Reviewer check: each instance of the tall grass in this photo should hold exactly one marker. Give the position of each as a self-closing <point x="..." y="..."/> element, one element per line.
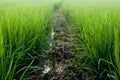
<point x="98" y="23"/>
<point x="24" y="37"/>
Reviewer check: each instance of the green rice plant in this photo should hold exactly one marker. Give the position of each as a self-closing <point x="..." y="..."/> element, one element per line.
<point x="97" y="22"/>
<point x="24" y="37"/>
<point x="117" y="53"/>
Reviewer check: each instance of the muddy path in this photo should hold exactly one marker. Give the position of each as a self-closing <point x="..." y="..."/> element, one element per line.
<point x="61" y="47"/>
<point x="64" y="43"/>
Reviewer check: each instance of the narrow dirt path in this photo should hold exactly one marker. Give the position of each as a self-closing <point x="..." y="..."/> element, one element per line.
<point x="61" y="37"/>
<point x="64" y="44"/>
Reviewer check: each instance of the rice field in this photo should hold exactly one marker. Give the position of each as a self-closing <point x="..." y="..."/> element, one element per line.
<point x="24" y="32"/>
<point x="59" y="40"/>
<point x="98" y="24"/>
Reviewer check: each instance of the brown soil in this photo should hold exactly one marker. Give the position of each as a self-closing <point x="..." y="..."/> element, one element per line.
<point x="64" y="43"/>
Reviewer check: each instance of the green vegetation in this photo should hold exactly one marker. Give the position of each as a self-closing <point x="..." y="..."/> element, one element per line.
<point x="98" y="24"/>
<point x="24" y="34"/>
<point x="26" y="31"/>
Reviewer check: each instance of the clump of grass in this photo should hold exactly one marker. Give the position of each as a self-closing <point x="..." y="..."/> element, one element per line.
<point x="117" y="53"/>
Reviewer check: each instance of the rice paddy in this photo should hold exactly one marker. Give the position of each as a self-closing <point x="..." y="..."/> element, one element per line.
<point x="59" y="40"/>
